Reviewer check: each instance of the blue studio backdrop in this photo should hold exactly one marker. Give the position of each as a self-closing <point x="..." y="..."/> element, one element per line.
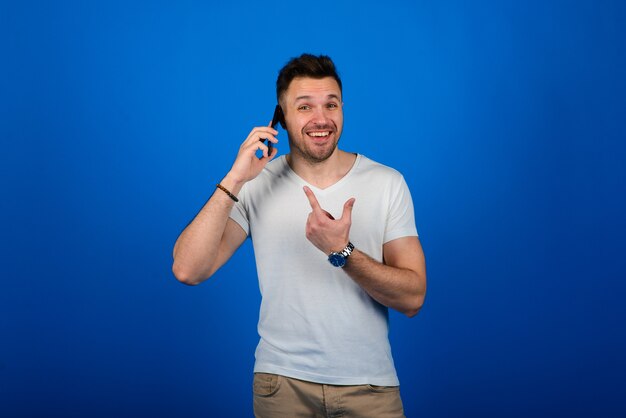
<point x="118" y="118"/>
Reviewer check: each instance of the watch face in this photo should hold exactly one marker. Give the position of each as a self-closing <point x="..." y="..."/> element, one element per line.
<point x="337" y="259"/>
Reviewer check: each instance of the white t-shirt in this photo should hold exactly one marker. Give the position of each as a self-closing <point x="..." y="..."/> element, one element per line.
<point x="316" y="323"/>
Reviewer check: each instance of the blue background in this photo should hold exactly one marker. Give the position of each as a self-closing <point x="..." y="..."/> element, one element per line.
<point x="506" y="118"/>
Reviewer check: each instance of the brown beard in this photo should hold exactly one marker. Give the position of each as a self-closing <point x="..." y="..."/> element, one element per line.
<point x="306" y="155"/>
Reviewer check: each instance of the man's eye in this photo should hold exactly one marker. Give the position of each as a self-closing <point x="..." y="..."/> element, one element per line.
<point x="304" y="107"/>
<point x="332" y="105"/>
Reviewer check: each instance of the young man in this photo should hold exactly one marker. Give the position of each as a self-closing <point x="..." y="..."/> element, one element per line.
<point x="335" y="243"/>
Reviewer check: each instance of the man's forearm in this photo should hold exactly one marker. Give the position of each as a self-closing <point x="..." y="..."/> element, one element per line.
<point x="399" y="288"/>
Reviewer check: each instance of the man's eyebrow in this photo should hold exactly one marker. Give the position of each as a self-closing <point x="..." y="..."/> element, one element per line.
<point x="330" y="96"/>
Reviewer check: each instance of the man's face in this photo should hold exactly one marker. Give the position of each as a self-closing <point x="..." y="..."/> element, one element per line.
<point x="314" y="117"/>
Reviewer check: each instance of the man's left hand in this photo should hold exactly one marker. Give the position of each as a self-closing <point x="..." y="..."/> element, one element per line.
<point x="323" y="230"/>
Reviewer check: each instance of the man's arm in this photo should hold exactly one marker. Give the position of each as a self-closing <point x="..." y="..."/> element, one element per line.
<point x="212" y="237"/>
<point x="399" y="282"/>
<point x="208" y="241"/>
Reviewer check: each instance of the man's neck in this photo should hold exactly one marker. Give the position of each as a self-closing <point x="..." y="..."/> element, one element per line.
<point x="325" y="173"/>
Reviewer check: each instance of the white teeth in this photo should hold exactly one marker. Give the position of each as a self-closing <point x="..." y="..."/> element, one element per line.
<point x="319" y="133"/>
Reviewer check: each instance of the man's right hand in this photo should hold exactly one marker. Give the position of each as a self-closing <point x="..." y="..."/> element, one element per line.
<point x="247" y="165"/>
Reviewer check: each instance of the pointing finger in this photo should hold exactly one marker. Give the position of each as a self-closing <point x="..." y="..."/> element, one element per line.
<point x="312" y="199"/>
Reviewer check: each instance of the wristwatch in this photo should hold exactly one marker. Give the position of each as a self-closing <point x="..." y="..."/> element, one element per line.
<point x="339" y="259"/>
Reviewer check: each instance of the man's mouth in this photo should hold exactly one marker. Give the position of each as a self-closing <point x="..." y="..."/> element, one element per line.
<point x="318" y="134"/>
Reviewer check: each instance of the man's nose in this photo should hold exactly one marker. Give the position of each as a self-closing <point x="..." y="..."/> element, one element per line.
<point x="320" y="114"/>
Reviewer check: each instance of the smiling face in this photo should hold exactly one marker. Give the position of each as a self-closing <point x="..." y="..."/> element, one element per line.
<point x="314" y="117"/>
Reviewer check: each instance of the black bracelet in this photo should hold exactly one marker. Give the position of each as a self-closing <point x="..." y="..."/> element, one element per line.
<point x="232" y="196"/>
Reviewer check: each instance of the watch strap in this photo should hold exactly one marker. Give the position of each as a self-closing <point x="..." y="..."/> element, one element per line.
<point x="348" y="250"/>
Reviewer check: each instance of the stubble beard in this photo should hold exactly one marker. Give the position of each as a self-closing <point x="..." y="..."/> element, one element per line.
<point x="308" y="153"/>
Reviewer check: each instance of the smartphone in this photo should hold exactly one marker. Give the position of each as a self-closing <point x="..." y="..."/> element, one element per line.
<point x="278" y="116"/>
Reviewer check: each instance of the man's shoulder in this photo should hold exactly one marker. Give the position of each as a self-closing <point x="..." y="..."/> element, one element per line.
<point x="275" y="168"/>
<point x="274" y="173"/>
<point x="369" y="167"/>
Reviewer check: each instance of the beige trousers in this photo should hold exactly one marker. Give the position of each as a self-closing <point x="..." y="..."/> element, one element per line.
<point x="283" y="397"/>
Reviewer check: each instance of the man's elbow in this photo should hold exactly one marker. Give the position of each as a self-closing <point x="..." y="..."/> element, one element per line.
<point x="415" y="308"/>
<point x="417" y="299"/>
<point x="411" y="313"/>
<point x="186" y="276"/>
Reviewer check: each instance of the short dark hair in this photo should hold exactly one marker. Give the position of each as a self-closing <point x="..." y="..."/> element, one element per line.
<point x="306" y="65"/>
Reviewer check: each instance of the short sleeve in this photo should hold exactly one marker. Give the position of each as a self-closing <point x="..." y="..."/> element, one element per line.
<point x="401" y="217"/>
<point x="239" y="212"/>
